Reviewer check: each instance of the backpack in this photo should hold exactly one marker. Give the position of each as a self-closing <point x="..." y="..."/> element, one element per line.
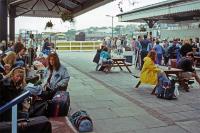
<point x="165" y="89"/>
<point x="82" y="121"/>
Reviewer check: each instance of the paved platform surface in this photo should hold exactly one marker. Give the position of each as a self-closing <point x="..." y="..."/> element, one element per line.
<point x="117" y="107"/>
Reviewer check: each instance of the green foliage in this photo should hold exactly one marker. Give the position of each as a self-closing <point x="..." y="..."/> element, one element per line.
<point x="66" y="16"/>
<point x="49" y="24"/>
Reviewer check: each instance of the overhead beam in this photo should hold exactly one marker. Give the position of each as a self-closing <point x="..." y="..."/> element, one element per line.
<point x="76" y="2"/>
<point x="19" y="2"/>
<point x="58" y="2"/>
<point x="86" y="4"/>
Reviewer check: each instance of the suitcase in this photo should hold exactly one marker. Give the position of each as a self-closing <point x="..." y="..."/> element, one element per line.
<point x="59" y="105"/>
<point x="39" y="124"/>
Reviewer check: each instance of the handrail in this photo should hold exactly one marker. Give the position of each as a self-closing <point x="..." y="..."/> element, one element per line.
<point x="15" y="101"/>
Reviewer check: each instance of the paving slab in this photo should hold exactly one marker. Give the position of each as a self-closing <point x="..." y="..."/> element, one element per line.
<point x="111" y="100"/>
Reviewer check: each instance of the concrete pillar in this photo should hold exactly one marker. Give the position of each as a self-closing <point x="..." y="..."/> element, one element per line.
<point x="3" y="20"/>
<point x="12" y="14"/>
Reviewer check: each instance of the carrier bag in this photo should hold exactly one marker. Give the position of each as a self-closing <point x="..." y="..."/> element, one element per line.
<point x="59" y="105"/>
<point x="39" y="124"/>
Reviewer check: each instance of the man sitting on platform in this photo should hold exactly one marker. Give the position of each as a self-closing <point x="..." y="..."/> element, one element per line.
<point x="186" y="64"/>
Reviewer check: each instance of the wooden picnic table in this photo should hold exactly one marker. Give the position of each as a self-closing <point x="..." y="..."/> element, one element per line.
<point x="174" y="71"/>
<point x="121" y="62"/>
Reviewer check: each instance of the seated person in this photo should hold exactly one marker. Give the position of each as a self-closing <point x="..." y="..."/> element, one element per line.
<point x="149" y="72"/>
<point x="97" y="57"/>
<point x="186" y="64"/>
<point x="11" y="87"/>
<point x="56" y="77"/>
<point x="20" y="59"/>
<point x="8" y="62"/>
<point x="105" y="59"/>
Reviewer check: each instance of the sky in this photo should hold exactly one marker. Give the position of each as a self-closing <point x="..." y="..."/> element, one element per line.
<point x="94" y="18"/>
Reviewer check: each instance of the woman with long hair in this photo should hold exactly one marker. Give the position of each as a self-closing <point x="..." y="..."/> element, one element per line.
<point x="10" y="87"/>
<point x="56" y="76"/>
<point x="150" y="70"/>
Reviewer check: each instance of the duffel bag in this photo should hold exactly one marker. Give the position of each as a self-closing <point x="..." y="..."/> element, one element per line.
<point x="82" y="121"/>
<point x="39" y="124"/>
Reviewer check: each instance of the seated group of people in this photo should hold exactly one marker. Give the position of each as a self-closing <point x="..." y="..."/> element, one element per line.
<point x="150" y="73"/>
<point x="13" y="69"/>
<point x="103" y="59"/>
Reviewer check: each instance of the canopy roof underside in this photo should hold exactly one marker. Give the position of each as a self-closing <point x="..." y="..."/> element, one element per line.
<point x="166" y="12"/>
<point x="53" y="8"/>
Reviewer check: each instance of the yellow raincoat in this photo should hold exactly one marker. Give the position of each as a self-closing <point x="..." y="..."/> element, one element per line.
<point x="149" y="72"/>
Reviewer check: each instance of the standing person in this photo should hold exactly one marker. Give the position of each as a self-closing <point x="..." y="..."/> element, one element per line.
<point x="56" y="77"/>
<point x="138" y="48"/>
<point x="144" y="49"/>
<point x="46" y="47"/>
<point x="159" y="50"/>
<point x="133" y="44"/>
<point x="185" y="48"/>
<point x="166" y="54"/>
<point x="31" y="49"/>
<point x="119" y="46"/>
<point x="173" y="50"/>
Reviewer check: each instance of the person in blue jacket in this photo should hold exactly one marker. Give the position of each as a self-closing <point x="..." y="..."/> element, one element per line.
<point x="56" y="77"/>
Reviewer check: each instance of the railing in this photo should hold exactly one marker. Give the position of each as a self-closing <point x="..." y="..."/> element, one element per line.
<point x="13" y="104"/>
<point x="78" y="45"/>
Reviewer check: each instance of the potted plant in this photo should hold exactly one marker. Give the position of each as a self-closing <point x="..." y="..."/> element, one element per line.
<point x="66" y="16"/>
<point x="49" y="24"/>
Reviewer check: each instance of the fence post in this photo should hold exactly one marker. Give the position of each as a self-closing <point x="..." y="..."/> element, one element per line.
<point x="94" y="45"/>
<point x="81" y="45"/>
<point x="14" y="119"/>
<point x="70" y="46"/>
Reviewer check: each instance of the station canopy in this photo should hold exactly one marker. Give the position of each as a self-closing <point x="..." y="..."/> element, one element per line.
<point x="53" y="8"/>
<point x="169" y="11"/>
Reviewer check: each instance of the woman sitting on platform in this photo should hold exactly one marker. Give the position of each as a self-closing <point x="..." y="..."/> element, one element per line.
<point x="105" y="60"/>
<point x="11" y="87"/>
<point x="56" y="77"/>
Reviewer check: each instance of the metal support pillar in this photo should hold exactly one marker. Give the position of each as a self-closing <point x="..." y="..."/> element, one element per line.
<point x="150" y="22"/>
<point x="3" y="20"/>
<point x="12" y="14"/>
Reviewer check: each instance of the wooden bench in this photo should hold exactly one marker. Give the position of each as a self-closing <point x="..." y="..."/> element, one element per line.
<point x="118" y="62"/>
<point x="122" y="64"/>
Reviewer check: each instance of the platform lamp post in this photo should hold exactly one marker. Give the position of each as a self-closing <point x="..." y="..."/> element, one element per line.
<point x="112" y="22"/>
